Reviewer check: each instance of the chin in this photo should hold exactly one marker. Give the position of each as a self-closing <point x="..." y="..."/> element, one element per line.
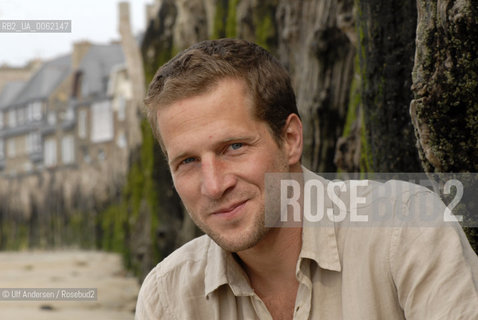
<point x="240" y="242"/>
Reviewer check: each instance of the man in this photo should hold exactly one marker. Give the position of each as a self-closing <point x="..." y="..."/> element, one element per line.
<point x="224" y="114"/>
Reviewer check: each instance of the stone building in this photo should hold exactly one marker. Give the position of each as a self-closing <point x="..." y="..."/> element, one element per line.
<point x="7" y="96"/>
<point x="68" y="129"/>
<point x="100" y="109"/>
<point x="26" y="119"/>
<point x="67" y="115"/>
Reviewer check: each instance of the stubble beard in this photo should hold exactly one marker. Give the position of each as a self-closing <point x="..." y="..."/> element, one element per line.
<point x="233" y="241"/>
<point x="253" y="233"/>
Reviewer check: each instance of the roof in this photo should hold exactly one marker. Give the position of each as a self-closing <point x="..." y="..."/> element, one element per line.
<point x="10" y="92"/>
<point x="46" y="79"/>
<point x="96" y="67"/>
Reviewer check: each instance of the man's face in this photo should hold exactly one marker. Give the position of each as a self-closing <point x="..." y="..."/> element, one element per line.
<point x="218" y="154"/>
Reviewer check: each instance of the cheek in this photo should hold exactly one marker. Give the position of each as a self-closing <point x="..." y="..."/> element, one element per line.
<point x="268" y="160"/>
<point x="255" y="169"/>
<point x="185" y="189"/>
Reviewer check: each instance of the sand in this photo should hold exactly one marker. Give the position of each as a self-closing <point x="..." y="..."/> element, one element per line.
<point x="117" y="291"/>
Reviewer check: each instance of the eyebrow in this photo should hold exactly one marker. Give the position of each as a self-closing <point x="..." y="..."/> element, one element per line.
<point x="176" y="159"/>
<point x="219" y="143"/>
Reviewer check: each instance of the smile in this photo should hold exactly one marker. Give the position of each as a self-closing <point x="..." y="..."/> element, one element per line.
<point x="231" y="211"/>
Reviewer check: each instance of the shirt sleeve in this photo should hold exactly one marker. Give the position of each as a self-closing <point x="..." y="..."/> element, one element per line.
<point x="434" y="269"/>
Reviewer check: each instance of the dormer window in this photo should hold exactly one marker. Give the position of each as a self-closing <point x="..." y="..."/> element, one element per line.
<point x="34" y="111"/>
<point x="12" y="119"/>
<point x="51" y="118"/>
<point x="76" y="90"/>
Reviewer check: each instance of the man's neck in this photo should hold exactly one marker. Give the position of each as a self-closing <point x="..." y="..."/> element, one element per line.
<point x="271" y="264"/>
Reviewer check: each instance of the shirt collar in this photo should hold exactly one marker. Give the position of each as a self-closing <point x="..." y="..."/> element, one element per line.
<point x="221" y="269"/>
<point x="319" y="243"/>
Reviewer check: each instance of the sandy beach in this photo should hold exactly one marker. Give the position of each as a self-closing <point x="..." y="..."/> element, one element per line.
<point x="116" y="290"/>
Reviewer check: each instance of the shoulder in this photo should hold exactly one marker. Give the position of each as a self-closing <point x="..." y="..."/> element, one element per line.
<point x="193" y="252"/>
<point x="179" y="273"/>
<point x="385" y="217"/>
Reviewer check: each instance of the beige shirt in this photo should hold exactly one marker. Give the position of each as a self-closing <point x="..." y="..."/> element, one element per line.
<point x="382" y="272"/>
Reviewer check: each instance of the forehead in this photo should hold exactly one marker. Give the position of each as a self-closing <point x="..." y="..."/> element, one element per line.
<point x="227" y="91"/>
<point x="225" y="106"/>
<point x="180" y="88"/>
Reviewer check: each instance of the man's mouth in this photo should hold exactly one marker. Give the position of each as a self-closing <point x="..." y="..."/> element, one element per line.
<point x="230" y="210"/>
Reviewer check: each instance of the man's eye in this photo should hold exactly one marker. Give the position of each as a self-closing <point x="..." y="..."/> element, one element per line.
<point x="236" y="146"/>
<point x="188" y="160"/>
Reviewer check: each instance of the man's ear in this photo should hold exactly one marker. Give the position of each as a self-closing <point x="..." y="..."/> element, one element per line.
<point x="292" y="139"/>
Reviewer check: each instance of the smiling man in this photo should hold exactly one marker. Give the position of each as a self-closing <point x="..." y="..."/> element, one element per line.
<point x="211" y="141"/>
<point x="224" y="113"/>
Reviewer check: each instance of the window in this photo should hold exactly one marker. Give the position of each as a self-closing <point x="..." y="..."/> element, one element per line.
<point x="101" y="155"/>
<point x="12" y="120"/>
<point x="36" y="110"/>
<point x="21" y="116"/>
<point x="11" y="148"/>
<point x="51" y="118"/>
<point x="86" y="154"/>
<point x="77" y="84"/>
<point x="29" y="143"/>
<point x="69" y="114"/>
<point x="30" y="113"/>
<point x="36" y="142"/>
<point x="102" y="122"/>
<point x="2" y="151"/>
<point x="121" y="140"/>
<point x="82" y="123"/>
<point x="33" y="142"/>
<point x="50" y="152"/>
<point x="68" y="149"/>
<point x="1" y="119"/>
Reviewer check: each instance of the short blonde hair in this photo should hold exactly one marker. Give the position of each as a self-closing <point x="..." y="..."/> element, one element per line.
<point x="200" y="67"/>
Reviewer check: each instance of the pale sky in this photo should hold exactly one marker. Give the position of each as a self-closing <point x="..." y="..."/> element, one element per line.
<point x="93" y="20"/>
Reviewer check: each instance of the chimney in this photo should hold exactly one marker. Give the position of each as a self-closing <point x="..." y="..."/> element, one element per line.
<point x="79" y="50"/>
<point x="134" y="66"/>
<point x="124" y="23"/>
<point x="34" y="64"/>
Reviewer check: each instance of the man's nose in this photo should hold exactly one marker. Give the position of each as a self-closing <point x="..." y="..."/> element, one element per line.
<point x="216" y="179"/>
